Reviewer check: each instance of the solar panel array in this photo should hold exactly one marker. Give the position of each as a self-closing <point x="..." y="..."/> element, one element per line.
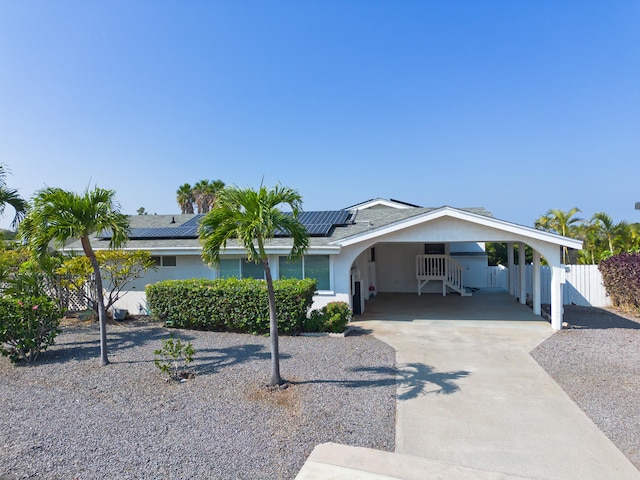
<point x="318" y="224"/>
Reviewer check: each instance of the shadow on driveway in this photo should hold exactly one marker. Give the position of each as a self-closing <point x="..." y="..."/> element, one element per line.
<point x="413" y="380"/>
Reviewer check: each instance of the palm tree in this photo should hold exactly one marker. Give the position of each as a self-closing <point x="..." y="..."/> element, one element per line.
<point x="185" y="198"/>
<point x="604" y="226"/>
<point x="252" y="217"/>
<point x="9" y="196"/>
<point x="58" y="215"/>
<point x="562" y="223"/>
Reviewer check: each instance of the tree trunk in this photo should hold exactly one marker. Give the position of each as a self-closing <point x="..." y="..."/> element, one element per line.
<point x="276" y="379"/>
<point x="102" y="311"/>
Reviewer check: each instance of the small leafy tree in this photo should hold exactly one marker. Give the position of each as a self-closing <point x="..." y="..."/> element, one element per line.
<point x="174" y="358"/>
<point x="118" y="267"/>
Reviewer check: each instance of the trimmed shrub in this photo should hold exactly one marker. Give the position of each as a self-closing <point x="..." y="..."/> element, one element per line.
<point x="621" y="278"/>
<point x="230" y="304"/>
<point x="27" y="326"/>
<point x="333" y="317"/>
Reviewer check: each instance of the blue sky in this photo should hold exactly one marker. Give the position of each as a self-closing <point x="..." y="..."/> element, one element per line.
<point x="515" y="106"/>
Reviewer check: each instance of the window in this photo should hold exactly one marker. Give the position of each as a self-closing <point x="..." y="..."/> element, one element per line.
<point x="309" y="266"/>
<point x="290" y="268"/>
<point x="252" y="270"/>
<point x="229" y="267"/>
<point x="165" y="261"/>
<point x="240" y="268"/>
<point x="434" y="249"/>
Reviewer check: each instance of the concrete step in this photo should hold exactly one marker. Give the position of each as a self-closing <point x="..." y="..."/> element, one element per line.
<point x="332" y="461"/>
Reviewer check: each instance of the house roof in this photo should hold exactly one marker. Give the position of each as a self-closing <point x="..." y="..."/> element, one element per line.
<point x="361" y="222"/>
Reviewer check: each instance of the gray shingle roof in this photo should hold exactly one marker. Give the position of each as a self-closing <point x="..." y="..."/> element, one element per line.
<point x="364" y="221"/>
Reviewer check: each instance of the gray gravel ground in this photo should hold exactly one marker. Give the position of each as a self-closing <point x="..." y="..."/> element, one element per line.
<point x="68" y="418"/>
<point x="597" y="363"/>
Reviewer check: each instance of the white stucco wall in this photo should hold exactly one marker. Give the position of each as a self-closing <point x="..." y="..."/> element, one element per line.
<point x="187" y="266"/>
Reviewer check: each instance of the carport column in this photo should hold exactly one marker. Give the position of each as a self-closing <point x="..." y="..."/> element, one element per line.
<point x="536" y="283"/>
<point x="522" y="273"/>
<point x="511" y="266"/>
<point x="557" y="279"/>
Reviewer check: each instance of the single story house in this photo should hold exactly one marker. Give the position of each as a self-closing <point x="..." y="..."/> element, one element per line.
<point x="375" y="246"/>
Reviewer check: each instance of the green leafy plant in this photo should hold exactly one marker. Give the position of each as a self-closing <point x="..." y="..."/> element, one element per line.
<point x="174" y="357"/>
<point x="333" y="318"/>
<point x="28" y="325"/>
<point x="230" y="304"/>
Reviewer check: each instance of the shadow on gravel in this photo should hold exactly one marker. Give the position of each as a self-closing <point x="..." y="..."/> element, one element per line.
<point x="218" y="358"/>
<point x="413" y="380"/>
<point x="593" y="318"/>
<point x="117" y="340"/>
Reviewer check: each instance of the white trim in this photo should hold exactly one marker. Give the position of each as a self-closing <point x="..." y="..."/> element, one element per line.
<point x="465" y="216"/>
<point x="376" y="202"/>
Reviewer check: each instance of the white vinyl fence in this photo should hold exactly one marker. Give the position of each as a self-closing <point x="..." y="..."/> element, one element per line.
<point x="583" y="284"/>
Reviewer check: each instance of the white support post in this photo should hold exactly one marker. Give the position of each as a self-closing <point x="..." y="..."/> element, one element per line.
<point x="557" y="279"/>
<point x="522" y="274"/>
<point x="511" y="266"/>
<point x="537" y="310"/>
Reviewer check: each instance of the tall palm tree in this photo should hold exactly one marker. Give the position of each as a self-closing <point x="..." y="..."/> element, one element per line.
<point x="252" y="217"/>
<point x="200" y="192"/>
<point x="9" y="196"/>
<point x="58" y="215"/>
<point x="215" y="186"/>
<point x="185" y="198"/>
<point x="560" y="222"/>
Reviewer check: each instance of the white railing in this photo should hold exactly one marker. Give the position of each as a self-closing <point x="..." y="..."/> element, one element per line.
<point x="439" y="267"/>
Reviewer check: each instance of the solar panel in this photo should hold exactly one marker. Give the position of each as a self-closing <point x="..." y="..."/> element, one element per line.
<point x="317" y="223"/>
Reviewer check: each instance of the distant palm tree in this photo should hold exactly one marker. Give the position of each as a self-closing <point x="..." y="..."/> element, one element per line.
<point x="252" y="217"/>
<point x="58" y="215"/>
<point x="185" y="198"/>
<point x="9" y="196"/>
<point x="562" y="223"/>
<point x="604" y="226"/>
<point x="205" y="193"/>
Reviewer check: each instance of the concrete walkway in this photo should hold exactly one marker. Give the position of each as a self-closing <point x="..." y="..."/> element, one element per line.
<point x="471" y="401"/>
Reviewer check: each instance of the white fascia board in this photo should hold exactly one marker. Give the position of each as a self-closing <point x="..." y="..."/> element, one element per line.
<point x="379" y="201"/>
<point x="233" y="250"/>
<point x="465" y="216"/>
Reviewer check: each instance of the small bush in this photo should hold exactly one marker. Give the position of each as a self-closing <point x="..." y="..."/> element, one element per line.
<point x="27" y="326"/>
<point x="621" y="278"/>
<point x="333" y="317"/>
<point x="174" y="357"/>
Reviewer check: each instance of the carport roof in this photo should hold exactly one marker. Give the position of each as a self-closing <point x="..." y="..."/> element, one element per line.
<point x="379" y="222"/>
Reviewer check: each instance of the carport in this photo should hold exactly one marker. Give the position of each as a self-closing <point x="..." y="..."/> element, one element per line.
<point x="485" y="306"/>
<point x="448" y="226"/>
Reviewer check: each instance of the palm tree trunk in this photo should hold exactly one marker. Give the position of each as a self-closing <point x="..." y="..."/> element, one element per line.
<point x="276" y="379"/>
<point x="102" y="312"/>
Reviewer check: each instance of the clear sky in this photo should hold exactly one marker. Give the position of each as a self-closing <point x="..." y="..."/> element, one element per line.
<point x="517" y="106"/>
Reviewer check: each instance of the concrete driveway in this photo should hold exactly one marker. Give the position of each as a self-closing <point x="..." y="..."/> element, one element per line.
<point x="471" y="399"/>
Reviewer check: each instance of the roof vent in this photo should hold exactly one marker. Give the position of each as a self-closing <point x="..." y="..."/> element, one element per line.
<point x="173" y="219"/>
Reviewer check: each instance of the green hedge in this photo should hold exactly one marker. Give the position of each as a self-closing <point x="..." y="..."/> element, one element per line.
<point x="230" y="304"/>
